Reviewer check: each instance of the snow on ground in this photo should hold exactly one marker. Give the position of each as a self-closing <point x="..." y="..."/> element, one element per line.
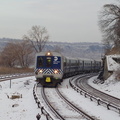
<point x="111" y="85"/>
<point x="112" y="63"/>
<point x="90" y="107"/>
<point x="23" y="108"/>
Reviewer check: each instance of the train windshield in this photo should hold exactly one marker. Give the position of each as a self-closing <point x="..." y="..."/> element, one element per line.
<point x="44" y="62"/>
<point x="40" y="62"/>
<point x="48" y="62"/>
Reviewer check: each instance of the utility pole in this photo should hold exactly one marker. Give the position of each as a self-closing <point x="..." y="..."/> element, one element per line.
<point x="10" y="83"/>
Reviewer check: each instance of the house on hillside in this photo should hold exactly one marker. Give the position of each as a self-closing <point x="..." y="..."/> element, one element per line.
<point x="111" y="64"/>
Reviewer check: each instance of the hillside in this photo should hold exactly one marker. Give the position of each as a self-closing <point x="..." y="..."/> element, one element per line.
<point x="80" y="49"/>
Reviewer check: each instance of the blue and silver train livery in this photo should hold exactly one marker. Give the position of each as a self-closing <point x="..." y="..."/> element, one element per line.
<point x="52" y="67"/>
<point x="48" y="68"/>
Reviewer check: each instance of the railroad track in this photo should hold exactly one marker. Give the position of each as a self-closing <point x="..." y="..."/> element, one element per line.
<point x="81" y="85"/>
<point x="57" y="114"/>
<point x="59" y="100"/>
<point x="14" y="76"/>
<point x="80" y="111"/>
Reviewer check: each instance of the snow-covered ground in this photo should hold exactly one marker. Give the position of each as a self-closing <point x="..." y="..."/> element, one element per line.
<point x="111" y="85"/>
<point x="25" y="107"/>
<point x="92" y="108"/>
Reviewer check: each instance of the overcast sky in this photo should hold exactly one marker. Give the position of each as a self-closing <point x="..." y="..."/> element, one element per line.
<point x="65" y="20"/>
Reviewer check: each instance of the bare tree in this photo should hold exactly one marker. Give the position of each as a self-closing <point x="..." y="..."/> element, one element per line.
<point x="107" y="47"/>
<point x="24" y="56"/>
<point x="109" y="21"/>
<point x="8" y="56"/>
<point x="17" y="54"/>
<point x="38" y="36"/>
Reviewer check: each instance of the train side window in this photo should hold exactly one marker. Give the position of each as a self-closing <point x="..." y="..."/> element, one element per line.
<point x="48" y="62"/>
<point x="40" y="62"/>
<point x="64" y="63"/>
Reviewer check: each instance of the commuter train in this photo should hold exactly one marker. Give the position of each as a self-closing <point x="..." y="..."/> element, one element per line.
<point x="52" y="67"/>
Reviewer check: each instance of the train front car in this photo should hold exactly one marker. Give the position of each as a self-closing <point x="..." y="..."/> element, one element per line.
<point x="49" y="68"/>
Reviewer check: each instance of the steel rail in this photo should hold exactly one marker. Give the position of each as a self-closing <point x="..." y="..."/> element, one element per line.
<point x="104" y="96"/>
<point x="50" y="106"/>
<point x="74" y="107"/>
<point x="81" y="85"/>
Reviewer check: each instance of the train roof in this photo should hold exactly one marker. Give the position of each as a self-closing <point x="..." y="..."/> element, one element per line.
<point x="48" y="53"/>
<point x="71" y="58"/>
<point x="85" y="59"/>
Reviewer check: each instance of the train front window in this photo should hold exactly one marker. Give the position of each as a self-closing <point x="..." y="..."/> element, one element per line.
<point x="48" y="62"/>
<point x="40" y="62"/>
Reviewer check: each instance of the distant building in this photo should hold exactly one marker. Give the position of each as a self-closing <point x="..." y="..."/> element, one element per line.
<point x="111" y="64"/>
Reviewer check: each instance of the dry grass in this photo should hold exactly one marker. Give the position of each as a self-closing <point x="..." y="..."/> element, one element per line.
<point x="113" y="51"/>
<point x="6" y="70"/>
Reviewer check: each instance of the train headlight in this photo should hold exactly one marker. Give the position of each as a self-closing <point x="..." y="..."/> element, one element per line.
<point x="56" y="71"/>
<point x="48" y="53"/>
<point x="40" y="71"/>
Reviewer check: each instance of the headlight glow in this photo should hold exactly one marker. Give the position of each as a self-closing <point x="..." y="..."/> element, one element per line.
<point x="40" y="71"/>
<point x="56" y="71"/>
<point x="48" y="53"/>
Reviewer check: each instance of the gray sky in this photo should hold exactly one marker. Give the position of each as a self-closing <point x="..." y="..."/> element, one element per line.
<point x="65" y="20"/>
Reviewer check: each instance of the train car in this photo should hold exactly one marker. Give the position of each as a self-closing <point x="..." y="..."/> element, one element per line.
<point x="49" y="68"/>
<point x="52" y="67"/>
<point x="97" y="65"/>
<point x="85" y="65"/>
<point x="70" y="66"/>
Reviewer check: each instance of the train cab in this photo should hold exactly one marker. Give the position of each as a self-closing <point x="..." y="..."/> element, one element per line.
<point x="48" y="68"/>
